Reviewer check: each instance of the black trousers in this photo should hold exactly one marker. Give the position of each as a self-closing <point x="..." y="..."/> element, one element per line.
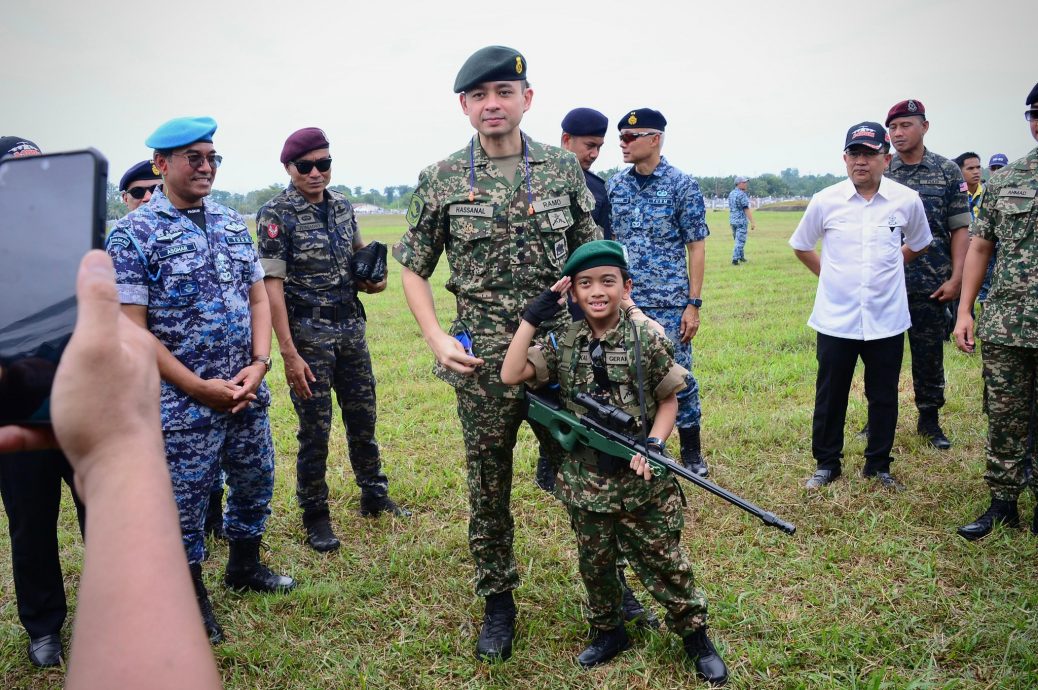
<point x="836" y="360"/>
<point x="30" y="484"/>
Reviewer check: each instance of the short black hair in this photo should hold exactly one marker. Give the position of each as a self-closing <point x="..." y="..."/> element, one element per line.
<point x="961" y="159"/>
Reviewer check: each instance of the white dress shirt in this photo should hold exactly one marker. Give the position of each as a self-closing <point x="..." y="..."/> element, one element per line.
<point x="861" y="288"/>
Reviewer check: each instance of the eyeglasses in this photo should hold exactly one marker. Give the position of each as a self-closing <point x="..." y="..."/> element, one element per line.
<point x="139" y="192"/>
<point x="195" y="159"/>
<point x="322" y="165"/>
<point x="1031" y="114"/>
<point x="863" y="153"/>
<point x="628" y="137"/>
<point x="598" y="365"/>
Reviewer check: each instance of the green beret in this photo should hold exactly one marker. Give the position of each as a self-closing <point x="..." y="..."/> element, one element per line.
<point x="493" y="63"/>
<point x="595" y="254"/>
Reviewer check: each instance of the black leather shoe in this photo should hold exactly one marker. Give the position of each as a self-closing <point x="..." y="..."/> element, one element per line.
<point x="884" y="479"/>
<point x="372" y="505"/>
<point x="495" y="637"/>
<point x="1004" y="512"/>
<point x="692" y="452"/>
<point x="245" y="572"/>
<point x="205" y="607"/>
<point x="319" y="534"/>
<point x="635" y="613"/>
<point x="45" y="651"/>
<point x="821" y="478"/>
<point x="545" y="477"/>
<point x="606" y="645"/>
<point x="702" y="652"/>
<point x="930" y="429"/>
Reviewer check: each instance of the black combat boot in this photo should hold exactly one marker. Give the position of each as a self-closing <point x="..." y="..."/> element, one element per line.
<point x="633" y="610"/>
<point x="691" y="453"/>
<point x="545" y="477"/>
<point x="373" y="505"/>
<point x="702" y="652"/>
<point x="245" y="572"/>
<point x="605" y="645"/>
<point x="214" y="516"/>
<point x="212" y="628"/>
<point x="1004" y="512"/>
<point x="930" y="428"/>
<point x="495" y="637"/>
<point x="319" y="534"/>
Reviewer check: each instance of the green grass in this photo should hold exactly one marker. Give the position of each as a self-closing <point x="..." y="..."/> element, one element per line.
<point x="875" y="591"/>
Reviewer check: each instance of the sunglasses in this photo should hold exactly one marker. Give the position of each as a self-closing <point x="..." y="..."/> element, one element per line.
<point x="598" y="365"/>
<point x="628" y="137"/>
<point x="195" y="160"/>
<point x="1031" y="115"/>
<point x="322" y="165"/>
<point x="863" y="153"/>
<point x="139" y="192"/>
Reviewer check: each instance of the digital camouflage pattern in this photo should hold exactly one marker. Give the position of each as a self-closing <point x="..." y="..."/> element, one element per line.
<point x="242" y="446"/>
<point x="622" y="514"/>
<point x="314" y="257"/>
<point x="926" y="340"/>
<point x="654" y="223"/>
<point x="738" y="202"/>
<point x="690" y="412"/>
<point x="195" y="285"/>
<point x="1008" y="323"/>
<point x="500" y="257"/>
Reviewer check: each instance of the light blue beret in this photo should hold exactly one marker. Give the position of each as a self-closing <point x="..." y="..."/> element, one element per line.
<point x="182" y="131"/>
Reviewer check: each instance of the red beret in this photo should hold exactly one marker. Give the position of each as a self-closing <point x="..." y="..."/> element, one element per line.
<point x="301" y="142"/>
<point x="904" y="108"/>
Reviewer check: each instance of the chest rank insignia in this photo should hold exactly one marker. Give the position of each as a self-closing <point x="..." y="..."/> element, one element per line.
<point x="633" y="119"/>
<point x="168" y="235"/>
<point x="518" y="64"/>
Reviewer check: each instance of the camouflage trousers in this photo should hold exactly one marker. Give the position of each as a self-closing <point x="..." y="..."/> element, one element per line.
<point x="338" y="357"/>
<point x="689" y="412"/>
<point x="489" y="426"/>
<point x="650" y="538"/>
<point x="739" y="233"/>
<point x="926" y="340"/>
<point x="242" y="445"/>
<point x="1010" y="375"/>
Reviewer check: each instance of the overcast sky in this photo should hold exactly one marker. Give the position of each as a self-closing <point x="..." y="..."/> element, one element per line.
<point x="747" y="87"/>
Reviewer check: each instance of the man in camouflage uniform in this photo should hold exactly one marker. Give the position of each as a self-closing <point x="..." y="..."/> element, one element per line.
<point x="935" y="278"/>
<point x="307" y="238"/>
<point x="508" y="211"/>
<point x="612" y="509"/>
<point x="1009" y="217"/>
<point x="739" y="215"/>
<point x="659" y="215"/>
<point x="187" y="271"/>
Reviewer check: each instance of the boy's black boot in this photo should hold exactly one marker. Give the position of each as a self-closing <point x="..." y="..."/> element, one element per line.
<point x="605" y="645"/>
<point x="702" y="652"/>
<point x="495" y="637"/>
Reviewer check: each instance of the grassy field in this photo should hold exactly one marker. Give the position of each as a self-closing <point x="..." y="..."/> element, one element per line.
<point x="875" y="590"/>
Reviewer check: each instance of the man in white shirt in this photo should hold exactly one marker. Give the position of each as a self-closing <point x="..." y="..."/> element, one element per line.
<point x="861" y="306"/>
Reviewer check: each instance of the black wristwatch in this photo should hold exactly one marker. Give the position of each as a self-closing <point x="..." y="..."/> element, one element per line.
<point x="695" y="302"/>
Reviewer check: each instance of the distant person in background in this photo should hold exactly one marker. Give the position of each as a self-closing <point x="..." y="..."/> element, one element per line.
<point x="583" y="133"/>
<point x="30" y="484"/>
<point x="138" y="183"/>
<point x="739" y="215"/>
<point x="997" y="162"/>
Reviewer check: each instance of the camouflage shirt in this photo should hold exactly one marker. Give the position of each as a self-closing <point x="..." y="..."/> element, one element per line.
<point x="654" y="222"/>
<point x="195" y="285"/>
<point x="1009" y="216"/>
<point x="500" y="255"/>
<point x="943" y="191"/>
<point x="312" y="255"/>
<point x="738" y="202"/>
<point x="582" y="486"/>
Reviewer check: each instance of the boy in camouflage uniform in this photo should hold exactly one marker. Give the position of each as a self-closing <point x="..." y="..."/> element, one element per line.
<point x="614" y="508"/>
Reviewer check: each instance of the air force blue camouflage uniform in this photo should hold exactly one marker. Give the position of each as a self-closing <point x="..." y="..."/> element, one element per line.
<point x="738" y="202"/>
<point x="196" y="285"/>
<point x="654" y="222"/>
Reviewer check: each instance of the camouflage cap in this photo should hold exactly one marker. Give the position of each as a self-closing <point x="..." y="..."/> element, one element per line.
<point x="905" y="109"/>
<point x="493" y="63"/>
<point x="593" y="254"/>
<point x="643" y="117"/>
<point x="1032" y="98"/>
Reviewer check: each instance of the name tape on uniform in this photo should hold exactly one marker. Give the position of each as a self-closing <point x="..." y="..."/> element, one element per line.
<point x="542" y="205"/>
<point x="481" y="210"/>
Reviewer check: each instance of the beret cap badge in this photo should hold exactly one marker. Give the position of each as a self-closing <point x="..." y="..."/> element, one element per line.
<point x="633" y="119"/>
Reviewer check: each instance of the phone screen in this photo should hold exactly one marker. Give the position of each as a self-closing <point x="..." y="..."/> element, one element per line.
<point x="52" y="211"/>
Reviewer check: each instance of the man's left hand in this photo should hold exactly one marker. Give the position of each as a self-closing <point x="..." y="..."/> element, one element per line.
<point x="249" y="378"/>
<point x="948" y="291"/>
<point x="689" y="323"/>
<point x="372" y="288"/>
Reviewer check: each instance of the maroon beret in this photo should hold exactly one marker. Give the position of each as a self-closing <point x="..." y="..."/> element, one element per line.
<point x="904" y="108"/>
<point x="301" y="142"/>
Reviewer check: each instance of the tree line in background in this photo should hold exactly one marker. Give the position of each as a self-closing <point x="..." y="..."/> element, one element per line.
<point x="788" y="183"/>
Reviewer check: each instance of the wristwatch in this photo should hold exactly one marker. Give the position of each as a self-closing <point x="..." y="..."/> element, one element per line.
<point x="655" y="444"/>
<point x="696" y="302"/>
<point x="266" y="361"/>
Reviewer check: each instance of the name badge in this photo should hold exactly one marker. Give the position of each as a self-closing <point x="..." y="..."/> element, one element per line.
<point x="176" y="249"/>
<point x="481" y="210"/>
<point x="542" y="205"/>
<point x="1021" y="192"/>
<point x="239" y="239"/>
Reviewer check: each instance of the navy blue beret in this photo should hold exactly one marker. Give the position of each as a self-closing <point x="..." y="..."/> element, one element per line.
<point x="643" y="117"/>
<point x="1032" y="97"/>
<point x="181" y="131"/>
<point x="144" y="170"/>
<point x="585" y="122"/>
<point x="493" y="63"/>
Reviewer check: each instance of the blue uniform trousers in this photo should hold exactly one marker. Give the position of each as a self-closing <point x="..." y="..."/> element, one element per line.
<point x="689" y="413"/>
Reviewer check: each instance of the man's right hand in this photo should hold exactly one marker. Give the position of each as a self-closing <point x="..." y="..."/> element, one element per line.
<point x="451" y="354"/>
<point x="218" y="394"/>
<point x="298" y="374"/>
